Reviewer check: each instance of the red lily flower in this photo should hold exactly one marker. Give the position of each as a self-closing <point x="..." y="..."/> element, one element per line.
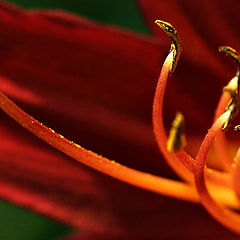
<point x="92" y="84"/>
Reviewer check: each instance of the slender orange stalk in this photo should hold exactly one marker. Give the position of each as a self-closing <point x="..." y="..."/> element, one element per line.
<point x="158" y="126"/>
<point x="144" y="180"/>
<point x="226" y="217"/>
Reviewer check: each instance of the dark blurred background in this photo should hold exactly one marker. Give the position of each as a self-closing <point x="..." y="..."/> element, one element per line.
<point x="17" y="223"/>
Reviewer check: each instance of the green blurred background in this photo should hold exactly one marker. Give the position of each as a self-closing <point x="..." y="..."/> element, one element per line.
<point x="17" y="223"/>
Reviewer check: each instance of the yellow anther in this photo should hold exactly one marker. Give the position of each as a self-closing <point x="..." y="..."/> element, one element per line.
<point x="176" y="45"/>
<point x="176" y="139"/>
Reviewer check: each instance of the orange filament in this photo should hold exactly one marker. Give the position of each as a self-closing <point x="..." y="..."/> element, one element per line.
<point x="140" y="179"/>
<point x="226" y="217"/>
<point x="158" y="126"/>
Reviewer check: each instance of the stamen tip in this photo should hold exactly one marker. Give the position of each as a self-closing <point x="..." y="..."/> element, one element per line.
<point x="167" y="28"/>
<point x="176" y="46"/>
<point x="237" y="128"/>
<point x="232" y="53"/>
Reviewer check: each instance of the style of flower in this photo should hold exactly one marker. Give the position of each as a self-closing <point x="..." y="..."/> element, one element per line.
<point x="52" y="184"/>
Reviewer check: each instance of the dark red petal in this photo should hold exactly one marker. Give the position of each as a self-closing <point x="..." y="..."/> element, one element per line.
<point x="90" y="83"/>
<point x="49" y="183"/>
<point x="45" y="51"/>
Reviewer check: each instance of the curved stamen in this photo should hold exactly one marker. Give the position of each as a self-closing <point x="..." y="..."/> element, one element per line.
<point x="226" y="217"/>
<point x="158" y="126"/>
